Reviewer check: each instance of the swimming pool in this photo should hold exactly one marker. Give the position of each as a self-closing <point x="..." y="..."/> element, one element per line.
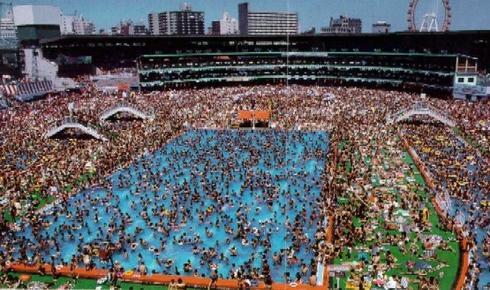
<point x="203" y="196"/>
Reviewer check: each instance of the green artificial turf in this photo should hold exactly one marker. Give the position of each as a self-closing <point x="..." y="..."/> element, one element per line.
<point x="342" y="144"/>
<point x="449" y="258"/>
<point x="348" y="166"/>
<point x="34" y="196"/>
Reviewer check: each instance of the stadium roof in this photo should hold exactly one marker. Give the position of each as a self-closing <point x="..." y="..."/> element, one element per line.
<point x="294" y="36"/>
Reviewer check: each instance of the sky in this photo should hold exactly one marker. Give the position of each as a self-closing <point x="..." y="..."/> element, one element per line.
<point x="466" y="14"/>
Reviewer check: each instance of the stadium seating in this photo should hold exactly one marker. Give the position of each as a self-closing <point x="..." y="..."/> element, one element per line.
<point x="429" y="72"/>
<point x="27" y="91"/>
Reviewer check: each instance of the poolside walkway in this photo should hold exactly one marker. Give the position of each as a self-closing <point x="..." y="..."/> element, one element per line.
<point x="153" y="279"/>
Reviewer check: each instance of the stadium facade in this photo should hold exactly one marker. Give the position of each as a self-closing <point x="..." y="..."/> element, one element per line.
<point x="431" y="72"/>
<point x="425" y="62"/>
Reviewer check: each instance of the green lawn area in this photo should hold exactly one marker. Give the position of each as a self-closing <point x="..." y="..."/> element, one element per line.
<point x="445" y="261"/>
<point x="36" y="195"/>
<point x="342" y="144"/>
<point x="348" y="166"/>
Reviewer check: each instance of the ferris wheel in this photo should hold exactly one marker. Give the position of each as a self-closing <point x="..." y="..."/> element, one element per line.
<point x="430" y="20"/>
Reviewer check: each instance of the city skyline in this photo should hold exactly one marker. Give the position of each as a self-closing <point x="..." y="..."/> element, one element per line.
<point x="312" y="13"/>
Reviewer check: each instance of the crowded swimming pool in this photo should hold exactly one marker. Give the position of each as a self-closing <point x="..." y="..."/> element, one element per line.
<point x="210" y="199"/>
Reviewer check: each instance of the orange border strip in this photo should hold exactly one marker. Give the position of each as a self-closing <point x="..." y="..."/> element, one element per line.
<point x="464" y="253"/>
<point x="195" y="282"/>
<point x="464" y="265"/>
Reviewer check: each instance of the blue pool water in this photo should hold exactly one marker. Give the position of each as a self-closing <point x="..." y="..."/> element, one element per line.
<point x="205" y="190"/>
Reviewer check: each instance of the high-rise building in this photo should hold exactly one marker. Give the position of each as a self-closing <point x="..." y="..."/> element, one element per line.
<point x="116" y="30"/>
<point x="76" y="24"/>
<point x="183" y="22"/>
<point x="227" y="25"/>
<point x="381" y="27"/>
<point x="343" y="24"/>
<point x="83" y="26"/>
<point x="67" y="26"/>
<point x="153" y="26"/>
<point x="215" y="28"/>
<point x="266" y="23"/>
<point x="7" y="26"/>
<point x="128" y="27"/>
<point x="138" y="29"/>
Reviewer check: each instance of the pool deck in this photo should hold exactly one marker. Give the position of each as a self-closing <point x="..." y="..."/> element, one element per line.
<point x="195" y="282"/>
<point x="464" y="253"/>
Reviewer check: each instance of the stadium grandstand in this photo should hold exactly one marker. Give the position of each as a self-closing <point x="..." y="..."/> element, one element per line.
<point x="426" y="72"/>
<point x="423" y="62"/>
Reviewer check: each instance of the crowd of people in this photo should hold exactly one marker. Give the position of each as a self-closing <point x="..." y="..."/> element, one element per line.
<point x="464" y="174"/>
<point x="229" y="200"/>
<point x="361" y="147"/>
